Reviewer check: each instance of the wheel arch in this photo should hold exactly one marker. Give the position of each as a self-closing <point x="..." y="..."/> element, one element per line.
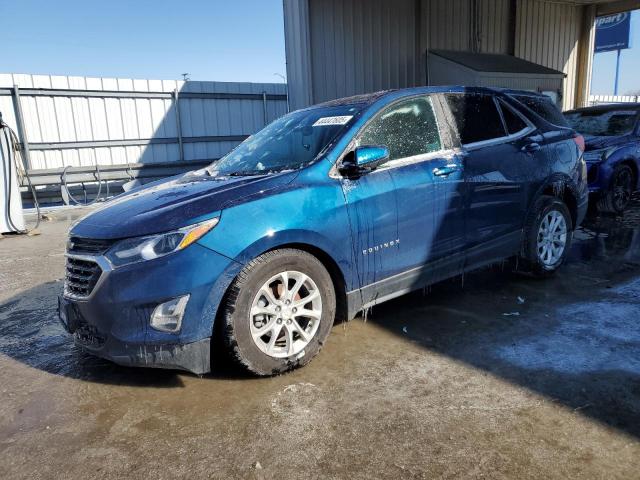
<point x="329" y="263"/>
<point x="561" y="188"/>
<point x="335" y="272"/>
<point x="633" y="164"/>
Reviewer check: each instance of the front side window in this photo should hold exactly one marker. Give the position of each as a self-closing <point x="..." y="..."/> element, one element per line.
<point x="603" y="123"/>
<point x="290" y="142"/>
<point x="407" y="128"/>
<point x="477" y="117"/>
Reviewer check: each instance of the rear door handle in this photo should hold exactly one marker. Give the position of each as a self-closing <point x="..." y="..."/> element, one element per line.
<point x="446" y="170"/>
<point x="531" y="147"/>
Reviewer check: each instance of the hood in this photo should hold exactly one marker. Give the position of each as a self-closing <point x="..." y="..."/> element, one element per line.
<point x="593" y="142"/>
<point x="171" y="204"/>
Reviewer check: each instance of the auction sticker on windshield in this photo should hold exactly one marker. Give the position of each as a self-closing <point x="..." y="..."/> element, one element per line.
<point x="338" y="120"/>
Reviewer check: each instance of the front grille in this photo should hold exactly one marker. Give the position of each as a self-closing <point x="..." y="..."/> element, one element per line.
<point x="88" y="246"/>
<point x="82" y="276"/>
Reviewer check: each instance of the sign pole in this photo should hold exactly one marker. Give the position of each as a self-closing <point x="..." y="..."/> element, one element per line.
<point x="615" y="86"/>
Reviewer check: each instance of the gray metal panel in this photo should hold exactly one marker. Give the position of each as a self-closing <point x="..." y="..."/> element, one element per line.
<point x="548" y="34"/>
<point x="494" y="25"/>
<point x="364" y="46"/>
<point x="298" y="52"/>
<point x="361" y="47"/>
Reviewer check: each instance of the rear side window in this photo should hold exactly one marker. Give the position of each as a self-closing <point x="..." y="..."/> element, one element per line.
<point x="477" y="117"/>
<point x="544" y="107"/>
<point x="407" y="129"/>
<point x="512" y="120"/>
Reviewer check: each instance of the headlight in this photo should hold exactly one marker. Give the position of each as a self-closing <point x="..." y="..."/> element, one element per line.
<point x="138" y="249"/>
<point x="599" y="155"/>
<point x="593" y="156"/>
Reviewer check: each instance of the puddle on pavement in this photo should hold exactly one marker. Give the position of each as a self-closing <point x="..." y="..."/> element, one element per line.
<point x="569" y="331"/>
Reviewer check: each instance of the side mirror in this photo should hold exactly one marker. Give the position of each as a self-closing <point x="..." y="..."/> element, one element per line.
<point x="364" y="159"/>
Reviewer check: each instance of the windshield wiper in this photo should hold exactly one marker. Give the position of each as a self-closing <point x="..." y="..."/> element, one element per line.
<point x="247" y="173"/>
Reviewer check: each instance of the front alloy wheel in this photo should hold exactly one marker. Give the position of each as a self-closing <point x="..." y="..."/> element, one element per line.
<point x="278" y="312"/>
<point x="285" y="314"/>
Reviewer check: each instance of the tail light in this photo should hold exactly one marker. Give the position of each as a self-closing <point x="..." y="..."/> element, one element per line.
<point x="579" y="139"/>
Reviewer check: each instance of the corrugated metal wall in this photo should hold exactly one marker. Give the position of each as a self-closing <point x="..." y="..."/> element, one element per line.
<point x="547" y="33"/>
<point x="361" y="46"/>
<point x="369" y="46"/>
<point x="64" y="121"/>
<point x="298" y="53"/>
<point x="449" y="25"/>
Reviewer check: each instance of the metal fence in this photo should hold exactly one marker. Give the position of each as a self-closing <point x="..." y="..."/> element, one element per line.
<point x="130" y="125"/>
<point x="602" y="99"/>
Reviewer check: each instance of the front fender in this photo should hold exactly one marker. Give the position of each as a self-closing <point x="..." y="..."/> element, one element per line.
<point x="313" y="213"/>
<point x="627" y="154"/>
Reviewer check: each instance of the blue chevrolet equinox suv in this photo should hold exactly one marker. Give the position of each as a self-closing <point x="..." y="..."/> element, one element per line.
<point x="323" y="213"/>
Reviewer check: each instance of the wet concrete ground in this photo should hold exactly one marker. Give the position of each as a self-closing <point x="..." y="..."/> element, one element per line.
<point x="504" y="377"/>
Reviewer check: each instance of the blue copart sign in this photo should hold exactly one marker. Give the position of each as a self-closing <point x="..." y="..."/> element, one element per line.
<point x="612" y="32"/>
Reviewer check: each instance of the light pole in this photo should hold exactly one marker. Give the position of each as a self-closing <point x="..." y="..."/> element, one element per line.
<point x="286" y="87"/>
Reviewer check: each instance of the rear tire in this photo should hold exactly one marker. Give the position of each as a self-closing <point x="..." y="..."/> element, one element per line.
<point x="618" y="195"/>
<point x="269" y="329"/>
<point x="547" y="236"/>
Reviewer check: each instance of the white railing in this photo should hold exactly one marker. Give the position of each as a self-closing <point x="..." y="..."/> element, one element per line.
<point x="602" y="99"/>
<point x="77" y="122"/>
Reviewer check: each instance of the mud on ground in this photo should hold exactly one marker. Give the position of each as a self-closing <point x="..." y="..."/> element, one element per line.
<point x="499" y="376"/>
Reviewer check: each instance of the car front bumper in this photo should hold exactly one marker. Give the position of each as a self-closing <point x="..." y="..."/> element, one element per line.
<point x="113" y="321"/>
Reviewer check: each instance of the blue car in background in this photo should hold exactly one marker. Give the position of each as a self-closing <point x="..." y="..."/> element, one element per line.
<point x="325" y="212"/>
<point x="612" y="136"/>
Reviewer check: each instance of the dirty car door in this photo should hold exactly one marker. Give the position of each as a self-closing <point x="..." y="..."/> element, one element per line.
<point x="373" y="215"/>
<point x="494" y="166"/>
<point x="426" y="183"/>
<point x="428" y="180"/>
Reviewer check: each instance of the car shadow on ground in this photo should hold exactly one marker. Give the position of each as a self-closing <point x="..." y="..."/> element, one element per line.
<point x="574" y="338"/>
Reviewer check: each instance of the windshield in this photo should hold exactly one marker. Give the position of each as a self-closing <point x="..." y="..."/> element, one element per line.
<point x="603" y="123"/>
<point x="290" y="142"/>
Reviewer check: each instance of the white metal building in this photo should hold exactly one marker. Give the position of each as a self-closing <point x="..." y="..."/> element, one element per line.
<point x="337" y="48"/>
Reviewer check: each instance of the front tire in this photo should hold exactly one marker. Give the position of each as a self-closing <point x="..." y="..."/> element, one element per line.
<point x="547" y="236"/>
<point x="279" y="312"/>
<point x="618" y="195"/>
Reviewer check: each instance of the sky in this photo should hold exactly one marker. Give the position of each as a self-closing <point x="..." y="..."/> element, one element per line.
<point x="235" y="40"/>
<point x="604" y="65"/>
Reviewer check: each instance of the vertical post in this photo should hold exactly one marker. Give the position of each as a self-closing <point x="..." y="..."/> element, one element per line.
<point x="615" y="85"/>
<point x="265" y="115"/>
<point x="22" y="133"/>
<point x="176" y="107"/>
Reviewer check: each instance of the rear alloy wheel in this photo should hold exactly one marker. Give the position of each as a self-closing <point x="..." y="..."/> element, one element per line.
<point x="552" y="238"/>
<point x="617" y="197"/>
<point x="278" y="312"/>
<point x="547" y="236"/>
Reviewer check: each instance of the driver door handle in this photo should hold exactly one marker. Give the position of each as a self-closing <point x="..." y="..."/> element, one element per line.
<point x="446" y="170"/>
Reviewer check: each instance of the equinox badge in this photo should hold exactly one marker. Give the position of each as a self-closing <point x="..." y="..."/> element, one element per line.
<point x="382" y="246"/>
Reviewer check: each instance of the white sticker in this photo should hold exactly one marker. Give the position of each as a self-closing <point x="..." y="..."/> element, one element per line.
<point x="340" y="120"/>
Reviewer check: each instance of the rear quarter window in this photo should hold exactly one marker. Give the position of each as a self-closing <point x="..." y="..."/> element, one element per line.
<point x="514" y="123"/>
<point x="544" y="107"/>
